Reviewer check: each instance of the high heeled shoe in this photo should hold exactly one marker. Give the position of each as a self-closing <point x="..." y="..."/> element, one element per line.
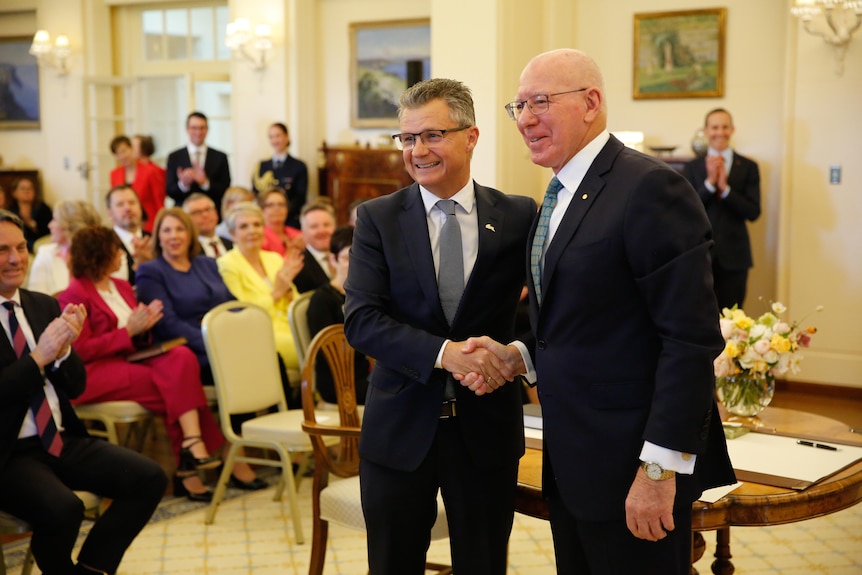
<point x="189" y="462"/>
<point x="255" y="484"/>
<point x="180" y="490"/>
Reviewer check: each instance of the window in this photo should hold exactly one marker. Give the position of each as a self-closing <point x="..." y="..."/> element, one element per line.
<point x="178" y="34"/>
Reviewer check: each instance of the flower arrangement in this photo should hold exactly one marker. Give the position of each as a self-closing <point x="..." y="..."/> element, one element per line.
<point x="755" y="352"/>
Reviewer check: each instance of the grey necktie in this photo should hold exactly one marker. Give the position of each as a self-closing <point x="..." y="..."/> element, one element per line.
<point x="450" y="278"/>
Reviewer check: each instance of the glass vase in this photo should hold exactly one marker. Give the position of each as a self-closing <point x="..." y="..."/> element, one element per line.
<point x="745" y="394"/>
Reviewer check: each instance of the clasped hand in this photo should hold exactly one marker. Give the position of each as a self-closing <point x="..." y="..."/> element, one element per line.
<point x="716" y="172"/>
<point x="144" y="317"/>
<point x="481" y="364"/>
<point x="191" y="174"/>
<point x="59" y="334"/>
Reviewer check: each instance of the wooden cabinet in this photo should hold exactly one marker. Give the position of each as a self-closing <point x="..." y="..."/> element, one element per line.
<point x="8" y="178"/>
<point x="350" y="173"/>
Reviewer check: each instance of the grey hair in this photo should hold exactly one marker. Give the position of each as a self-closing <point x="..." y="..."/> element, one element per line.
<point x="7" y="216"/>
<point x="241" y="208"/>
<point x="456" y="94"/>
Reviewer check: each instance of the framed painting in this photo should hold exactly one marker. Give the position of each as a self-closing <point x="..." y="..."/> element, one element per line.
<point x="19" y="85"/>
<point x="385" y="59"/>
<point x="679" y="54"/>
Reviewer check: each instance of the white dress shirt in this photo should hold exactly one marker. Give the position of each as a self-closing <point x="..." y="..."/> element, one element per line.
<point x="209" y="248"/>
<point x="127" y="238"/>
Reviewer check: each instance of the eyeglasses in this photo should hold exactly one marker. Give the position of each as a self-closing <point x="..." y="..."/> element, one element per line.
<point x="430" y="138"/>
<point x="202" y="211"/>
<point x="538" y="104"/>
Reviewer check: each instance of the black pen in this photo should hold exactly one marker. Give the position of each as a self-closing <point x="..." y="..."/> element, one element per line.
<point x="817" y="445"/>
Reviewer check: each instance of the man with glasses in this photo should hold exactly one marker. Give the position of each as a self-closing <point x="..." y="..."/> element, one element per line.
<point x="202" y="210"/>
<point x="432" y="264"/>
<point x="625" y="331"/>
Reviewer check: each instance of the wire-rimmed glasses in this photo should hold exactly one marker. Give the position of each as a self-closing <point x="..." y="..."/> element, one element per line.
<point x="538" y="104"/>
<point x="430" y="138"/>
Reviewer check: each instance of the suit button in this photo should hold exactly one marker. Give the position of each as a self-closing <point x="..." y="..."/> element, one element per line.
<point x="541" y="344"/>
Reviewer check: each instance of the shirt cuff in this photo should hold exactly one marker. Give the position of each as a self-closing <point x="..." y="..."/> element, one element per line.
<point x="725" y="193"/>
<point x="711" y="189"/>
<point x="59" y="361"/>
<point x="439" y="363"/>
<point x="678" y="461"/>
<point x="530" y="375"/>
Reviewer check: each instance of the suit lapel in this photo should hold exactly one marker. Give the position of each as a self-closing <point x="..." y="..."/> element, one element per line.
<point x="414" y="227"/>
<point x="491" y="221"/>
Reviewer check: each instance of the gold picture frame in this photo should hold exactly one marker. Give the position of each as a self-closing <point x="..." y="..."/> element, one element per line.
<point x="679" y="54"/>
<point x="385" y="59"/>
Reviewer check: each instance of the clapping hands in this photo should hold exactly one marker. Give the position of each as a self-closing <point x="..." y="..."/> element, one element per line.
<point x="58" y="336"/>
<point x="144" y="317"/>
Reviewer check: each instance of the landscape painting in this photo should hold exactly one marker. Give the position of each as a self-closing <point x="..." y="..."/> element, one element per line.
<point x="386" y="58"/>
<point x="19" y="85"/>
<point x="679" y="54"/>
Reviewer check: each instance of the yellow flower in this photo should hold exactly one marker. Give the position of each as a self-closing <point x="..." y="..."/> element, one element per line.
<point x="779" y="343"/>
<point x="741" y="320"/>
<point x="731" y="349"/>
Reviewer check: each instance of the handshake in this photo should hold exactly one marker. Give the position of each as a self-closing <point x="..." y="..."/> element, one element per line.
<point x="482" y="364"/>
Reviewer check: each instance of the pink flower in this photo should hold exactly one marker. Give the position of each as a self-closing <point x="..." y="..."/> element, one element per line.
<point x="803" y="339"/>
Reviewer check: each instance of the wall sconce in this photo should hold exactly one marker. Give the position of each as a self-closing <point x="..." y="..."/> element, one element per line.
<point x="251" y="46"/>
<point x="842" y="17"/>
<point x="54" y="55"/>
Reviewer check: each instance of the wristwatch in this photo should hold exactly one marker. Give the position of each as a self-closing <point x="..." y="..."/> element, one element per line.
<point x="656" y="472"/>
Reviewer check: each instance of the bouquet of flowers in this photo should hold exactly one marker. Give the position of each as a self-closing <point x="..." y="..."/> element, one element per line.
<point x="755" y="352"/>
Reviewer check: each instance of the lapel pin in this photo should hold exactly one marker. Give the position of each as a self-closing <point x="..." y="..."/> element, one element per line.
<point x="490" y="227"/>
<point x="584" y="197"/>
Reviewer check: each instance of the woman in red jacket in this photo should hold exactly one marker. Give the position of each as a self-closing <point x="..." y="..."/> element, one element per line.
<point x="147" y="179"/>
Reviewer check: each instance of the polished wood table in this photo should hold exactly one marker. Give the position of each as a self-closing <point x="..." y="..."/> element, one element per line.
<point x="752" y="504"/>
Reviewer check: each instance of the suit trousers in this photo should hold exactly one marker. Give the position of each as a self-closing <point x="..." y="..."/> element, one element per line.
<point x="400" y="508"/>
<point x="729" y="285"/>
<point x="609" y="548"/>
<point x="38" y="488"/>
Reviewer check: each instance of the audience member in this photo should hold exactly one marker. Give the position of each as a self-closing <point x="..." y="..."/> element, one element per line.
<point x="144" y="148"/>
<point x="40" y="468"/>
<point x="50" y="271"/>
<point x="233" y="196"/>
<point x="202" y="210"/>
<point x="414" y="440"/>
<point x="145" y="178"/>
<point x="318" y="223"/>
<point x="189" y="285"/>
<point x="197" y="167"/>
<point x="624" y="334"/>
<point x="124" y="210"/>
<point x="255" y="275"/>
<point x="728" y="183"/>
<point x="117" y="325"/>
<point x="276" y="236"/>
<point x="326" y="308"/>
<point x="27" y="204"/>
<point x="283" y="171"/>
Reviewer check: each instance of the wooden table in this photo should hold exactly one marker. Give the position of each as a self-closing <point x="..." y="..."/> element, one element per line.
<point x="752" y="504"/>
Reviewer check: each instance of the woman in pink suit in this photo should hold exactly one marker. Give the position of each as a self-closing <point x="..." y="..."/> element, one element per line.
<point x="117" y="325"/>
<point x="147" y="179"/>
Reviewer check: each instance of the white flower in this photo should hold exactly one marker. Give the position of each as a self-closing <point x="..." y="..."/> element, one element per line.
<point x="723" y="365"/>
<point x="727" y="328"/>
<point x="758" y="331"/>
<point x="781" y="328"/>
<point x="779" y="307"/>
<point x="761" y="346"/>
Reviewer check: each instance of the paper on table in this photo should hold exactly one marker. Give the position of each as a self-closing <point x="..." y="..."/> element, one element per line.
<point x="716" y="493"/>
<point x="777" y="460"/>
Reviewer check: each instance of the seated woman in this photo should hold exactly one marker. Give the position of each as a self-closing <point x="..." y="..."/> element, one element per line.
<point x="145" y="178"/>
<point x="276" y="236"/>
<point x="188" y="285"/>
<point x="27" y="204"/>
<point x="50" y="270"/>
<point x="167" y="384"/>
<point x="232" y="196"/>
<point x="326" y="308"/>
<point x="255" y="275"/>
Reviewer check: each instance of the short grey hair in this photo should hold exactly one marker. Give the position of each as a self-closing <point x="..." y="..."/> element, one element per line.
<point x="7" y="216"/>
<point x="455" y="94"/>
<point x="241" y="208"/>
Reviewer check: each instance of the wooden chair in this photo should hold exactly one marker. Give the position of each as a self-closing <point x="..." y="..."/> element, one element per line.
<point x="297" y="317"/>
<point x="340" y="501"/>
<point x="241" y="348"/>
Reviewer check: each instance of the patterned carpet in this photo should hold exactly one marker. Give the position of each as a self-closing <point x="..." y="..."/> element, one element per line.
<point x="253" y="535"/>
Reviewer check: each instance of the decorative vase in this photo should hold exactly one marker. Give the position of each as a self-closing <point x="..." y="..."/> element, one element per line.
<point x="745" y="393"/>
<point x="699" y="143"/>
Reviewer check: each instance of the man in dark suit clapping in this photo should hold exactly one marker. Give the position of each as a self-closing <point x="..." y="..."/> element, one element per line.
<point x="197" y="167"/>
<point x="728" y="183"/>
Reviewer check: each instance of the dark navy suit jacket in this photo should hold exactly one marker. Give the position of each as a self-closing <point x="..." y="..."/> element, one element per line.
<point x="217" y="170"/>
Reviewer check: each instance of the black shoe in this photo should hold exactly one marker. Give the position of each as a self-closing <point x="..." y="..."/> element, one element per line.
<point x="189" y="462"/>
<point x="180" y="490"/>
<point x="255" y="484"/>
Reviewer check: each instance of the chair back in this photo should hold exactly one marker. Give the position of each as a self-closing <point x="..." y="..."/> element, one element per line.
<point x="240" y="345"/>
<point x="330" y="345"/>
<point x="297" y="317"/>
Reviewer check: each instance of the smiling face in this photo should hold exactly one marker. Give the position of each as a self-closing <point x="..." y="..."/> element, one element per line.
<point x="203" y="213"/>
<point x="278" y="139"/>
<point x="247" y="235"/>
<point x="445" y="168"/>
<point x="24" y="192"/>
<point x="274" y="208"/>
<point x="13" y="258"/>
<point x="124" y="154"/>
<point x="718" y="130"/>
<point x="174" y="239"/>
<point x="572" y="119"/>
<point x="196" y="128"/>
<point x="317" y="227"/>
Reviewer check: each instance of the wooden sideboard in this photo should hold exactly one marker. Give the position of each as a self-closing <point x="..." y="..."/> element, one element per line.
<point x="351" y="172"/>
<point x="9" y="177"/>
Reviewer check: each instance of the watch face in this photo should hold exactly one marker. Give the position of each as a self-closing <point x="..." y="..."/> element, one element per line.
<point x="653" y="470"/>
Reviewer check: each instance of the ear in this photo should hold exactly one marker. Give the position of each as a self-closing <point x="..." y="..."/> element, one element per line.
<point x="593" y="104"/>
<point x="472" y="138"/>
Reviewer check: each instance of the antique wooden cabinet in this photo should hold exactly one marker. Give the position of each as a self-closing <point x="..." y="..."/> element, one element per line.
<point x="348" y="173"/>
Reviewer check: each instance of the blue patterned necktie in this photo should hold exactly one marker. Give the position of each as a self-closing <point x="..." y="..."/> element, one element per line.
<point x="45" y="425"/>
<point x="538" y="248"/>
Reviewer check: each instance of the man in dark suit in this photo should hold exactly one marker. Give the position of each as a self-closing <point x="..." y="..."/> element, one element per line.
<point x="625" y="330"/>
<point x="197" y="167"/>
<point x="124" y="210"/>
<point x="421" y="431"/>
<point x="202" y="211"/>
<point x="39" y="372"/>
<point x="728" y="183"/>
<point x="317" y="221"/>
<point x="283" y="171"/>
